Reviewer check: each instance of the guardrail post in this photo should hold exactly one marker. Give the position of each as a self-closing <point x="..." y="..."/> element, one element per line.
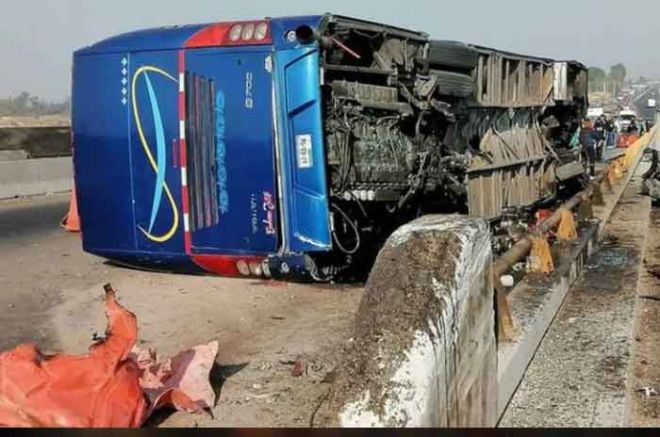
<point x="566" y="230"/>
<point x="506" y="330"/>
<point x="541" y="257"/>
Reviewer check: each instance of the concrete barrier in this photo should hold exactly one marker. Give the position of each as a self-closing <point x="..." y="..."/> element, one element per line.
<point x="424" y="350"/>
<point x="38" y="142"/>
<point x="31" y="177"/>
<point x="13" y="155"/>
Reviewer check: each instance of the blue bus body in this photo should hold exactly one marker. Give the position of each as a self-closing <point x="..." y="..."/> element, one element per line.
<point x="292" y="147"/>
<point x="184" y="150"/>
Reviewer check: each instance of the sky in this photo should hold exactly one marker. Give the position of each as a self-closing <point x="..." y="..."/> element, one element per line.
<point x="37" y="37"/>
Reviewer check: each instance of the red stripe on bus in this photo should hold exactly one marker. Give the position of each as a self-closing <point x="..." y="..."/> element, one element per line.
<point x="187" y="237"/>
<point x="182" y="105"/>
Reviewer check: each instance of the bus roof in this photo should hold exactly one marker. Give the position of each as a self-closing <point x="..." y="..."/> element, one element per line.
<point x="174" y="37"/>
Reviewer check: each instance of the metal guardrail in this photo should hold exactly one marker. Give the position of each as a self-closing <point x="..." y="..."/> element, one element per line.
<point x="614" y="170"/>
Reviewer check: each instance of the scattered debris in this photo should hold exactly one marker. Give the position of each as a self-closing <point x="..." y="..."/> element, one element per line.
<point x="329" y="377"/>
<point x="654" y="270"/>
<point x="316" y="366"/>
<point x="182" y="381"/>
<point x="317" y="407"/>
<point x="648" y="391"/>
<point x="114" y="385"/>
<point x="507" y="281"/>
<point x="613" y="259"/>
<point x="299" y="368"/>
<point x="265" y="366"/>
<point x="656" y="298"/>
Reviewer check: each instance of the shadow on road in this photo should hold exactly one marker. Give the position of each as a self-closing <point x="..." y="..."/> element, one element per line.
<point x="28" y="219"/>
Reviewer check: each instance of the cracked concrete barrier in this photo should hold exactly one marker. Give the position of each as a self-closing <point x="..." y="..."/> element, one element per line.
<point x="423" y="352"/>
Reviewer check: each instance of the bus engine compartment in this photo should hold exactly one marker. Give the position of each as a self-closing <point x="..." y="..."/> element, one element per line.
<point x="416" y="126"/>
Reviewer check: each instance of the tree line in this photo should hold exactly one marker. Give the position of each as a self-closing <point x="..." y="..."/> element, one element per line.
<point x="612" y="81"/>
<point x="26" y="104"/>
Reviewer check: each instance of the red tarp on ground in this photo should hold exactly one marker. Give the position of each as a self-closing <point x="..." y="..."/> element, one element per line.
<point x="112" y="386"/>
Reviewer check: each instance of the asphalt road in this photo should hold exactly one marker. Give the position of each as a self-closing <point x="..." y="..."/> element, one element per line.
<point x="38" y="260"/>
<point x="26" y="220"/>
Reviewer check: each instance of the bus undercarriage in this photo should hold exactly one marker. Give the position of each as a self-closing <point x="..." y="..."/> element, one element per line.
<point x="414" y="126"/>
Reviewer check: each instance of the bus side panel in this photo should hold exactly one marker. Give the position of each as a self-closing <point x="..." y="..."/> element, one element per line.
<point x="302" y="150"/>
<point x="102" y="158"/>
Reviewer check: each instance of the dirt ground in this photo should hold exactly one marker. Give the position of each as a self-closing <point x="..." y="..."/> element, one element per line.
<point x="644" y="388"/>
<point x="61" y="120"/>
<point x="52" y="295"/>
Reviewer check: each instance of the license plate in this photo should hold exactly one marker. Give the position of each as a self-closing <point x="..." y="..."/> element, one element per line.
<point x="304" y="148"/>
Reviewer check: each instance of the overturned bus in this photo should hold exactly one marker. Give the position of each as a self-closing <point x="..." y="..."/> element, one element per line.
<point x="292" y="147"/>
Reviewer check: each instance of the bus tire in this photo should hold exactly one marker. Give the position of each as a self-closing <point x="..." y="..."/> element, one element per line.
<point x="452" y="54"/>
<point x="453" y="84"/>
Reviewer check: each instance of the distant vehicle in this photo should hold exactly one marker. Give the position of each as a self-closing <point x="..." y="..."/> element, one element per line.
<point x="624" y="118"/>
<point x="595" y="112"/>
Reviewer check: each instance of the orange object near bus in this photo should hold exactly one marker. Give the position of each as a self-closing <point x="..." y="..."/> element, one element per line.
<point x="626" y="140"/>
<point x="112" y="386"/>
<point x="100" y="389"/>
<point x="71" y="221"/>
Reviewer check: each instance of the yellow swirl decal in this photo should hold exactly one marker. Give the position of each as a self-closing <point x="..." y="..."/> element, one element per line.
<point x="158" y="165"/>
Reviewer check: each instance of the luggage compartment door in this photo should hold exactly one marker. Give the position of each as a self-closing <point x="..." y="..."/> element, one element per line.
<point x="230" y="151"/>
